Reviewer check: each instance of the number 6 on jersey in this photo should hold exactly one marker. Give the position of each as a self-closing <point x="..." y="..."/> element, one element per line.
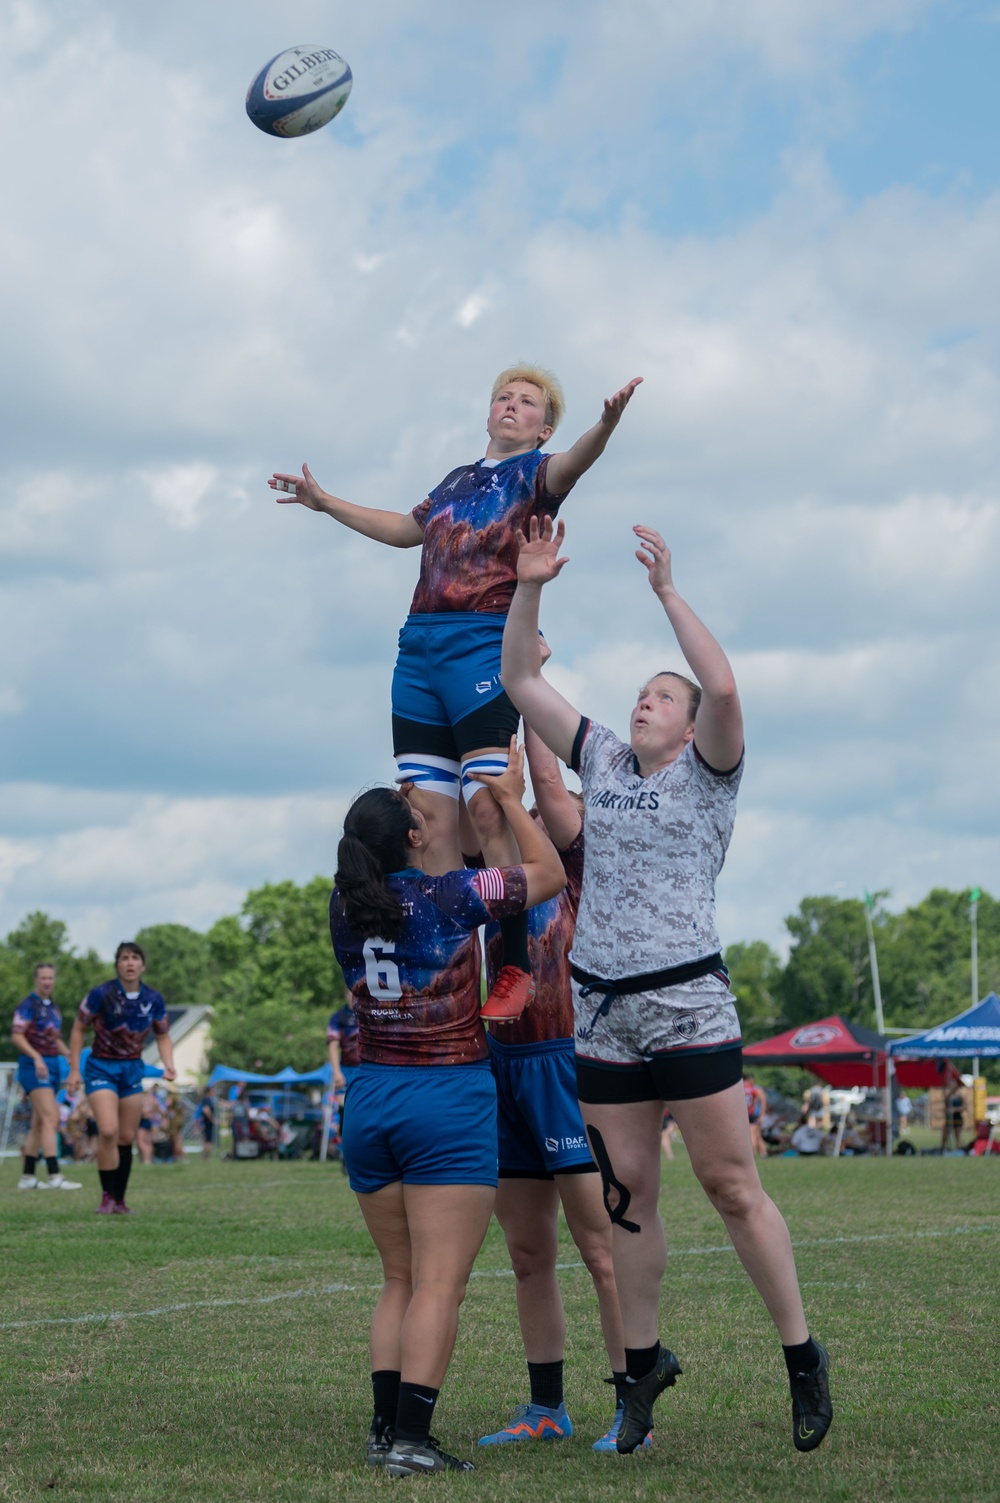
<point x="381" y="975"/>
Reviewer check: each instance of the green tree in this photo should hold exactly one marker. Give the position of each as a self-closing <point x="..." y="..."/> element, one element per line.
<point x="755" y="979"/>
<point x="924" y="958"/>
<point x="177" y="963"/>
<point x="828" y="968"/>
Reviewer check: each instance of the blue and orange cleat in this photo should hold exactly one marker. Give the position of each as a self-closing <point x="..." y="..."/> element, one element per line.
<point x="533" y="1422"/>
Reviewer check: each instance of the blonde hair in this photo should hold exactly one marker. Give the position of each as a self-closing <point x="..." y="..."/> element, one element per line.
<point x="547" y="383"/>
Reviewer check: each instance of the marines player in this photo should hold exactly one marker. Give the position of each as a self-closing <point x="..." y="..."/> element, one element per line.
<point x="655" y="1023"/>
<point x="421" y="1138"/>
<point x="450" y="715"/>
<point x="123" y="1012"/>
<point x="36" y="1034"/>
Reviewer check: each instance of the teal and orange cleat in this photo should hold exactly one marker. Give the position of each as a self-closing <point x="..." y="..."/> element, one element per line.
<point x="533" y="1422"/>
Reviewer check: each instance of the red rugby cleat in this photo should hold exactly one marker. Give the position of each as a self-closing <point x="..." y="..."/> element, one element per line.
<point x="512" y="991"/>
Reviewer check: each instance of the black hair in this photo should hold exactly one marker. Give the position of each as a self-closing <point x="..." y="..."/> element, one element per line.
<point x="130" y="946"/>
<point x="374" y="843"/>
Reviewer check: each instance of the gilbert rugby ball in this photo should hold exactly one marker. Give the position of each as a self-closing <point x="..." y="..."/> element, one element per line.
<point x="298" y="91"/>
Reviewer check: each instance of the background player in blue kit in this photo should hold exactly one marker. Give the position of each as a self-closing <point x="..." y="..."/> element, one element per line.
<point x="36" y="1034"/>
<point x="655" y="1022"/>
<point x="450" y="715"/>
<point x="421" y="1137"/>
<point x="123" y="1012"/>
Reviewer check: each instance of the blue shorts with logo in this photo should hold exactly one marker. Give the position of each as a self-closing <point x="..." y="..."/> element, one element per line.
<point x="123" y="1076"/>
<point x="27" y="1075"/>
<point x="539" y="1127"/>
<point x="422" y="1124"/>
<point x="448" y="665"/>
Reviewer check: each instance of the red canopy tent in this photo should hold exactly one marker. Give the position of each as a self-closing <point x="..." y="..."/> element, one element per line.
<point x="846" y="1054"/>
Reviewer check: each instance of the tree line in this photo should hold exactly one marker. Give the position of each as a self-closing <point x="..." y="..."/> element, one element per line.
<point x="269" y="974"/>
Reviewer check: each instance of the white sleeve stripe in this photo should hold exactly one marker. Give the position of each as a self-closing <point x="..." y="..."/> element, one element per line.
<point x="491" y="885"/>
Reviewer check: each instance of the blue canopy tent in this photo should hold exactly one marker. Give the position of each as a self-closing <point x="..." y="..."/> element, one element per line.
<point x="286" y="1078"/>
<point x="973" y="1034"/>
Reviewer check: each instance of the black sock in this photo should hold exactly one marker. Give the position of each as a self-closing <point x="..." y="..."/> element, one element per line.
<point x="640" y="1360"/>
<point x="620" y="1380"/>
<point x="385" y="1394"/>
<point x="123" y="1171"/>
<point x="30" y="1160"/>
<point x="546" y="1379"/>
<point x="414" y="1413"/>
<point x="803" y="1358"/>
<point x="514" y="935"/>
<point x="52" y="1165"/>
<point x="108" y="1178"/>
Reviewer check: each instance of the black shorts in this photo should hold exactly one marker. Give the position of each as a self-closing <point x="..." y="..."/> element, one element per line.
<point x="671" y="1076"/>
<point x="491" y="724"/>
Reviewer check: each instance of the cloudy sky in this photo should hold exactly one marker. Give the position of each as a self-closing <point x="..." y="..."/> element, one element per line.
<point x="784" y="215"/>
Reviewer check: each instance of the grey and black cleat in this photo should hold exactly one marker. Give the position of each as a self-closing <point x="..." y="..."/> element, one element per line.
<point x="409" y="1457"/>
<point x="812" y="1409"/>
<point x="637" y="1420"/>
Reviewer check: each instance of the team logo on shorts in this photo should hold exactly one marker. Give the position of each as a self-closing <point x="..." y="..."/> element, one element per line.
<point x="686" y="1025"/>
<point x="551" y="1145"/>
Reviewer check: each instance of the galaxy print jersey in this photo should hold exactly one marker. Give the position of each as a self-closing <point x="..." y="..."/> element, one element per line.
<point x="654" y="849"/>
<point x="550" y="934"/>
<point x="470" y="522"/>
<point x="417" y="998"/>
<point x="342" y="1029"/>
<point x="122" y="1024"/>
<point x="40" y="1023"/>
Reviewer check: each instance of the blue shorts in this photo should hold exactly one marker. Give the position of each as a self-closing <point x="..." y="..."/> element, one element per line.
<point x="422" y="1124"/>
<point x="123" y="1076"/>
<point x="349" y="1073"/>
<point x="27" y="1075"/>
<point x="539" y="1126"/>
<point x="448" y="665"/>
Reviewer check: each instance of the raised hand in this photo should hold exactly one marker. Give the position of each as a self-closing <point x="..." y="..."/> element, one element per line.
<point x="655" y="555"/>
<point x="302" y="488"/>
<point x="538" y="558"/>
<point x="615" y="406"/>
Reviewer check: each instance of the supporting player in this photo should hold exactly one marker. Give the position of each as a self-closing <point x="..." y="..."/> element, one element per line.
<point x="450" y="716"/>
<point x="544" y="1159"/>
<point x="122" y="1012"/>
<point x="36" y="1034"/>
<point x="655" y="1023"/>
<point x="420" y="1138"/>
<point x="343" y="1049"/>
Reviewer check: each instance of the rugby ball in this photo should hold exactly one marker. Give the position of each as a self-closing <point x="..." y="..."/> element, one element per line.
<point x="298" y="91"/>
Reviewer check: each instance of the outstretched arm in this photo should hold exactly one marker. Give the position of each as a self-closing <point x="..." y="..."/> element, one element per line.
<point x="543" y="707"/>
<point x="559" y="810"/>
<point x="565" y="469"/>
<point x="542" y="866"/>
<point x="397" y="528"/>
<point x="718" y="726"/>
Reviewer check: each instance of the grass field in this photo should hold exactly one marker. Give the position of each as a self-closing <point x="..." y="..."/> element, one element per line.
<point x="214" y="1348"/>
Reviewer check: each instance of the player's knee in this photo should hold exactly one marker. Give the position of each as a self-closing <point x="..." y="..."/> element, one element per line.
<point x="733" y="1193"/>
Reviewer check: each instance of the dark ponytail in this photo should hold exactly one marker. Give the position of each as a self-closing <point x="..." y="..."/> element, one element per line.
<point x="374" y="843"/>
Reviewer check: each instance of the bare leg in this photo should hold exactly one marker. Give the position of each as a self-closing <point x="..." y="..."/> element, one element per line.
<point x="583" y="1203"/>
<point x="441" y="813"/>
<point x="625" y="1141"/>
<point x="716" y="1133"/>
<point x="427" y="1237"/>
<point x="528" y="1211"/>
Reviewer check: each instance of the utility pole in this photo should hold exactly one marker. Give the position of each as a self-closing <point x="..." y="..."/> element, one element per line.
<point x="879" y="1020"/>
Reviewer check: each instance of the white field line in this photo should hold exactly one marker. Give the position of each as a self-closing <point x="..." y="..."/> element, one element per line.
<point x="497" y="1273"/>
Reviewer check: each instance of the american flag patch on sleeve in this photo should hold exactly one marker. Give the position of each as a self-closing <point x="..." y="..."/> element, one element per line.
<point x="490" y="884"/>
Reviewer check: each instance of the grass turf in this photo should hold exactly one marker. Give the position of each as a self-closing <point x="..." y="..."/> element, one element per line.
<point x="241" y="1371"/>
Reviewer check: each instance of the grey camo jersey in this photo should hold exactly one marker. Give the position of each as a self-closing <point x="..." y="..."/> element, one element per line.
<point x="654" y="849"/>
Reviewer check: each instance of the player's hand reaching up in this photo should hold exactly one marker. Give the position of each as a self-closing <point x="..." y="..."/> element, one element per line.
<point x="302" y="488"/>
<point x="615" y="406"/>
<point x="538" y="558"/>
<point x="655" y="555"/>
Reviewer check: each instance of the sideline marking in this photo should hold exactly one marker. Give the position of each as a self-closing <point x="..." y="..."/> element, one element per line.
<point x="484" y="1273"/>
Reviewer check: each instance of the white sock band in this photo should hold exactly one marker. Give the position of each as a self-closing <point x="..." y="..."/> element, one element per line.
<point x="435" y="774"/>
<point x="493" y="763"/>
